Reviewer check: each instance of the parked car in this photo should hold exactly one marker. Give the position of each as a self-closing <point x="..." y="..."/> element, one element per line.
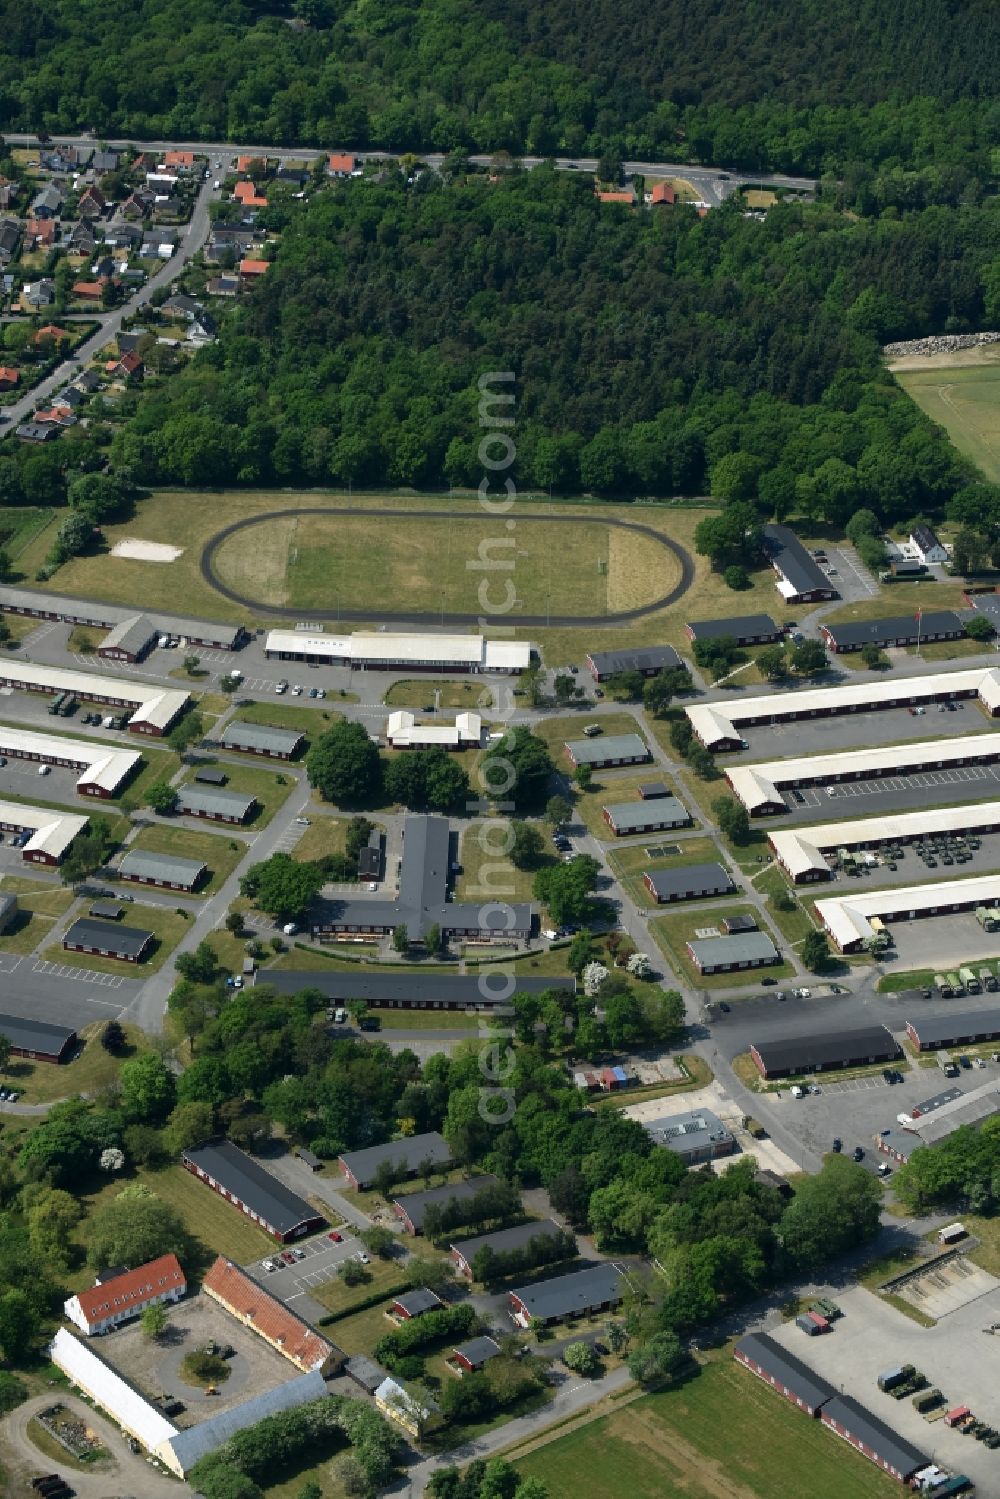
<point x="363" y="1257"/>
<point x="336" y="1236"/>
<point x="858" y="1153"/>
<point x="838" y="1144"/>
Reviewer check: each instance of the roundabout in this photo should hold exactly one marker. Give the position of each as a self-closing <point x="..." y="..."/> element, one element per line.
<point x="293" y="561"/>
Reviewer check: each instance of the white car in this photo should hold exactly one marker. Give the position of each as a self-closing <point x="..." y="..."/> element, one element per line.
<point x="797" y="1092"/>
<point x="831" y="790"/>
<point x="363" y="1257"/>
<point x="43" y="770"/>
<point x="296" y="690"/>
<point x="303" y="820"/>
<point x="803" y="994"/>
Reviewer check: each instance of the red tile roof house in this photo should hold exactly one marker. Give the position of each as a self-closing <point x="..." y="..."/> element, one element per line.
<point x="88" y="291"/>
<point x="662" y="193"/>
<point x="250" y="1304"/>
<point x="247" y="194"/>
<point x="128" y="367"/>
<point x="340" y="164"/>
<point x="249" y="269"/>
<point x="51" y="330"/>
<point x="8" y="377"/>
<point x="178" y="159"/>
<point x="626" y="196"/>
<point x="40" y="232"/>
<point x="121" y="1297"/>
<point x="247" y="163"/>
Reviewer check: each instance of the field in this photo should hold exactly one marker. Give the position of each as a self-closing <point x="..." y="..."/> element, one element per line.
<point x="474" y="696"/>
<point x="965" y="401"/>
<point x="722" y="1435"/>
<point x="638" y="569"/>
<point x="167" y="926"/>
<point x="337" y="1296"/>
<point x="300" y="719"/>
<point x="93" y="1069"/>
<point x="671" y="933"/>
<point x="488" y="875"/>
<point x="220" y="852"/>
<point x="323" y="836"/>
<point x="18" y="526"/>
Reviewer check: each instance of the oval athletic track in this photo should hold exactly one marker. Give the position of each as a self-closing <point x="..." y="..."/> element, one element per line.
<point x="417" y="617"/>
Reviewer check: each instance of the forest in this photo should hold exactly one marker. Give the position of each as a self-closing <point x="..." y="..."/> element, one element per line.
<point x="787" y="86"/>
<point x="655" y="354"/>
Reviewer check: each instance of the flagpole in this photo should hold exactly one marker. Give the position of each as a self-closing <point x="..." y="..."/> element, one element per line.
<point x="920" y="615"/>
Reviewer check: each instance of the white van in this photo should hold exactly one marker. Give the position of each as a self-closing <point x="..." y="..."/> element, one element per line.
<point x="289" y="928"/>
<point x="340" y="1017"/>
<point x="797" y="1092"/>
<point x="43" y="770"/>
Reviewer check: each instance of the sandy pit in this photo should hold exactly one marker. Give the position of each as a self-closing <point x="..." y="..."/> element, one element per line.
<point x="145" y="551"/>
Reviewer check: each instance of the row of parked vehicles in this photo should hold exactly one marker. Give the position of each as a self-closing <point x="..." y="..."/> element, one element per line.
<point x="51" y="1486"/>
<point x="279" y="1261"/>
<point x="965" y="981"/>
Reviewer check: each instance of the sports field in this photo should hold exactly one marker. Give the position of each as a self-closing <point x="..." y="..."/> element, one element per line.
<point x="965" y="400"/>
<point x="722" y="1435"/>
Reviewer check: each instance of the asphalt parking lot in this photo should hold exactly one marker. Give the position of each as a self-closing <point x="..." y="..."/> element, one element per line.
<point x="909" y="793"/>
<point x="293" y="1284"/>
<point x="911" y="869"/>
<point x="20" y="779"/>
<point x="955" y="1357"/>
<point x="61" y="994"/>
<point x="942" y="941"/>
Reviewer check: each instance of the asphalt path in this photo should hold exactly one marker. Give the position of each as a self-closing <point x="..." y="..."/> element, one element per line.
<point x="212" y="578"/>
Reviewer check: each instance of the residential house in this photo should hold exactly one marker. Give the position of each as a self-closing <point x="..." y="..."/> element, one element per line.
<point x="61" y="159"/>
<point x="9" y="377"/>
<point x="161" y="184"/>
<point x="122" y="236"/>
<point x="223" y="286"/>
<point x="37" y="294"/>
<point x="294" y="176"/>
<point x="8" y="194"/>
<point x="202" y="329"/>
<point x="10" y="238"/>
<point x="47" y="203"/>
<point x="104" y="161"/>
<point x="51" y="330"/>
<point x="246" y="193"/>
<point x="82" y="239"/>
<point x="340" y="164"/>
<point x="137" y="205"/>
<point x="118" y="1296"/>
<point x="88" y="291"/>
<point x="625" y="196"/>
<point x="128" y="367"/>
<point x="246" y="164"/>
<point x="179" y="304"/>
<point x="39" y="234"/>
<point x="406" y="1407"/>
<point x="662" y="193"/>
<point x="251" y="269"/>
<point x="92" y="203"/>
<point x="927" y="546"/>
<point x="35" y="432"/>
<point x="178" y="161"/>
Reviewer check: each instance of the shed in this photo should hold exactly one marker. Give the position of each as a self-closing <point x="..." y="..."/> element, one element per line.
<point x="649" y="791"/>
<point x="416" y="1303"/>
<point x="312" y="1161"/>
<point x="211" y="777"/>
<point x="106" y="910"/>
<point x="475" y="1353"/>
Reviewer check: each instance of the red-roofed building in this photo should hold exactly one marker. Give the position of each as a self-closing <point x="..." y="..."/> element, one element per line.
<point x="8" y="377"/>
<point x="251" y="268"/>
<point x="250" y="1304"/>
<point x="53" y="414"/>
<point x="246" y="194"/>
<point x="340" y="164"/>
<point x="247" y="163"/>
<point x="620" y="197"/>
<point x="51" y="330"/>
<point x="127" y="367"/>
<point x="662" y="193"/>
<point x="119" y="1297"/>
<point x="178" y="159"/>
<point x="40" y="233"/>
<point x="88" y="291"/>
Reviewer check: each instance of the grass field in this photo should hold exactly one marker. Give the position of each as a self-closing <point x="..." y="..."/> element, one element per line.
<point x="220" y="852"/>
<point x="270" y="787"/>
<point x="17" y="527"/>
<point x="27" y="931"/>
<point x="487" y="873"/>
<point x="610" y="787"/>
<point x="795" y="925"/>
<point x="966" y="402"/>
<point x="324" y="835"/>
<point x="337" y="1296"/>
<point x="92" y="1070"/>
<point x="630" y="864"/>
<point x="671" y="933"/>
<point x="198" y="516"/>
<point x="722" y="1435"/>
<point x="167" y="926"/>
<point x="299" y="718"/>
<point x="474" y="696"/>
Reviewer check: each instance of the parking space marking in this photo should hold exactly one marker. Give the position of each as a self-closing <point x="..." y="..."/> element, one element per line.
<point x="79" y="975"/>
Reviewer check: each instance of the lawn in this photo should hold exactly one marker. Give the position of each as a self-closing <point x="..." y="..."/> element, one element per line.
<point x="83" y="641"/>
<point x="557" y="731"/>
<point x="795" y="925"/>
<point x="611" y="787"/>
<point x="324" y="836"/>
<point x="218" y="1227"/>
<point x="722" y="1433"/>
<point x="38" y="895"/>
<point x="916" y="978"/>
<point x="220" y="851"/>
<point x="17" y="528"/>
<point x="158" y="765"/>
<point x="167" y="926"/>
<point x="360" y="1332"/>
<point x="966" y="402"/>
<point x="89" y="1071"/>
<point x="337" y="1296"/>
<point x="487" y="872"/>
<point x="27" y="931"/>
<point x="270" y="787"/>
<point x="475" y="696"/>
<point x="631" y="863"/>
<point x="672" y="932"/>
<point x="295" y="716"/>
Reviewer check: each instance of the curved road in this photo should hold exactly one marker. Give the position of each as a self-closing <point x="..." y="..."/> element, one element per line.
<point x="127" y="1473"/>
<point x="410" y="617"/>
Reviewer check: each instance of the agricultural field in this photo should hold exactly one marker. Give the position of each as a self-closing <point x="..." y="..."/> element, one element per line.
<point x="965" y="399"/>
<point x="721" y="1435"/>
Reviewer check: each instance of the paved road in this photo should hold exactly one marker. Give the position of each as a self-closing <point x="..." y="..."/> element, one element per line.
<point x="110" y="323"/>
<point x="125" y="1474"/>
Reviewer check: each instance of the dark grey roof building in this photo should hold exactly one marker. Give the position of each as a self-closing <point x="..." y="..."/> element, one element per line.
<point x="422" y="900"/>
<point x="36" y="1038"/>
<point x="759" y="1353"/>
<point x="745" y="629"/>
<point x="206" y="777"/>
<point x="646" y="816"/>
<point x="415" y="1303"/>
<point x="880" y="1443"/>
<point x="262" y="739"/>
<point x="735" y="924"/>
<point x="365" y="1372"/>
<point x="688" y="882"/>
<point x="216" y="806"/>
<point x="107" y="939"/>
<point x="955" y="1028"/>
<point x="801" y="576"/>
<point x="901" y="629"/>
<point x="406" y="1157"/>
<point x="695" y="1136"/>
<point x="412" y="1206"/>
<point x="423" y="991"/>
<point x="476" y="1352"/>
<point x="649" y="662"/>
<point x="725" y="954"/>
<point x="38" y="605"/>
<point x="608" y="749"/>
<point x="167" y="870"/>
<point x="252" y="1189"/>
<point x="824" y="1052"/>
<point x="572" y="1295"/>
<point x="650" y="791"/>
<point x="502" y="1241"/>
<point x="129" y="640"/>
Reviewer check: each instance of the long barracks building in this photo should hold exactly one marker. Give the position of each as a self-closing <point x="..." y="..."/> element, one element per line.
<point x="718" y="725"/>
<point x="378" y="650"/>
<point x="35" y="604"/>
<point x="802" y="852"/>
<point x="848" y="918"/>
<point x="153" y="709"/>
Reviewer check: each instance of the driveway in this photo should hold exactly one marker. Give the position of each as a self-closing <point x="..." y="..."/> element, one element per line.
<point x="126" y="1473"/>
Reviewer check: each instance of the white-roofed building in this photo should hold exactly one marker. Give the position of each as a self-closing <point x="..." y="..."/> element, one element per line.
<point x="104" y="767"/>
<point x="152" y="709"/>
<point x="403" y="732"/>
<point x="108" y="1390"/>
<point x="800" y="852"/>
<point x="848" y="918"/>
<point x="381" y="650"/>
<point x="718" y="725"/>
<point x="51" y="832"/>
<point x="759" y="786"/>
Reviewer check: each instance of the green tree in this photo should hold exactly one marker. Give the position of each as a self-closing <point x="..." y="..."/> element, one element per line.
<point x="816" y="951"/>
<point x="153" y="1321"/>
<point x="283" y="887"/>
<point x="162" y="798"/>
<point x="772" y="663"/>
<point x="526" y="845"/>
<point x="343" y="764"/>
<point x="566" y="888"/>
<point x="808" y="658"/>
<point x="558" y="811"/>
<point x="657" y="1360"/>
<point x="133" y="1228"/>
<point x="874" y="658"/>
<point x="581" y="1358"/>
<point x="148" y="1088"/>
<point x="516" y="770"/>
<point x="831" y="1213"/>
<point x="657" y="694"/>
<point x="400" y="938"/>
<point x="434" y="939"/>
<point x="732" y="819"/>
<point x="190" y="1124"/>
<point x="736" y="577"/>
<point x="583" y="775"/>
<point x="979" y="628"/>
<point x="627" y="685"/>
